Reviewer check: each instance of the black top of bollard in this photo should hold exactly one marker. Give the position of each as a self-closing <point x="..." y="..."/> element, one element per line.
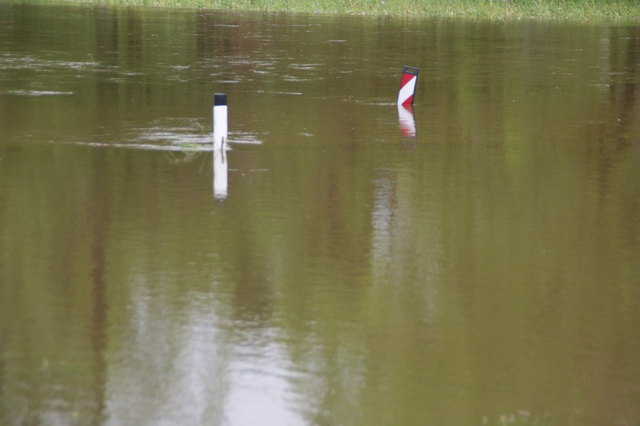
<point x="219" y="99"/>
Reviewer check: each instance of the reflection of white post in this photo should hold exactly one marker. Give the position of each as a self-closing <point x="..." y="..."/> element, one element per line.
<point x="220" y="173"/>
<point x="219" y="121"/>
<point x="407" y="122"/>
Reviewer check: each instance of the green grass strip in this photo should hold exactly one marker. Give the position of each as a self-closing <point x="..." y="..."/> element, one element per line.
<point x="627" y="11"/>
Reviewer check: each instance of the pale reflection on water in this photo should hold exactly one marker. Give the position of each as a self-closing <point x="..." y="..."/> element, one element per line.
<point x="220" y="174"/>
<point x="471" y="261"/>
<point x="204" y="376"/>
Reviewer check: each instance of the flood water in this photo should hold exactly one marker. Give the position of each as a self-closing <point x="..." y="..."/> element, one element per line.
<point x="473" y="262"/>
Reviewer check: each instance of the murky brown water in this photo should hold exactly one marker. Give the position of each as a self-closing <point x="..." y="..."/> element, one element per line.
<point x="485" y="271"/>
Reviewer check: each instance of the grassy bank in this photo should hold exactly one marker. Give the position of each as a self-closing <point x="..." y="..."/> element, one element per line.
<point x="565" y="10"/>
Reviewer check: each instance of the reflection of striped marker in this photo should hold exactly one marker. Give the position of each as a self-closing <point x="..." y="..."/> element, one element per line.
<point x="219" y="121"/>
<point x="407" y="122"/>
<point x="407" y="85"/>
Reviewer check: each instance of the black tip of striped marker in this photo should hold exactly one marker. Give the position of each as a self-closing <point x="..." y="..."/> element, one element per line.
<point x="410" y="70"/>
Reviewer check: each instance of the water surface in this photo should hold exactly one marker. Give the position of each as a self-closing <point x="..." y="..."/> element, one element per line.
<point x="483" y="271"/>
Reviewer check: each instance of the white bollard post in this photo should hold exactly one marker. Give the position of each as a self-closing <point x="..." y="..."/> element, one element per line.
<point x="219" y="121"/>
<point x="407" y="85"/>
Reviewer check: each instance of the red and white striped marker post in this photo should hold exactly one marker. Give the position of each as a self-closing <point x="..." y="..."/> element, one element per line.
<point x="407" y="85"/>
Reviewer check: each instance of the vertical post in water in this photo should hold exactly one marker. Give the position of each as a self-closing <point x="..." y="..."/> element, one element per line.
<point x="220" y="166"/>
<point x="407" y="85"/>
<point x="219" y="121"/>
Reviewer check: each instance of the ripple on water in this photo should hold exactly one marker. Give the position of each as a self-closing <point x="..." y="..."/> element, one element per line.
<point x="38" y="93"/>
